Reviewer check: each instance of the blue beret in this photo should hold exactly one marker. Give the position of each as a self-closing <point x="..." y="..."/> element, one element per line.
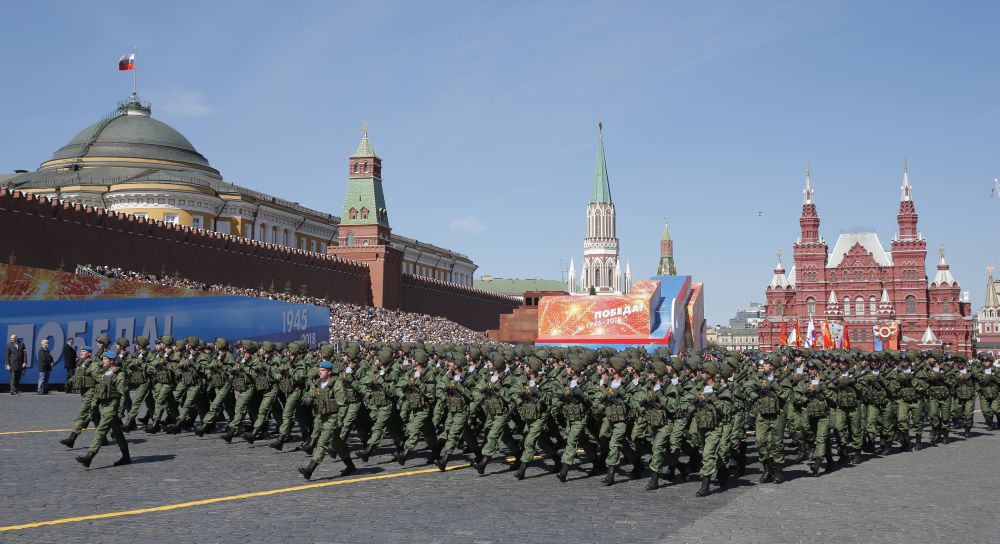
<point x="88" y="348"/>
<point x="110" y="355"/>
<point x="326" y="364"/>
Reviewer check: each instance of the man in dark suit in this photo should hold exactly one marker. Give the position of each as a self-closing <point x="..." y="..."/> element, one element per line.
<point x="69" y="361"/>
<point x="16" y="362"/>
<point x="45" y="363"/>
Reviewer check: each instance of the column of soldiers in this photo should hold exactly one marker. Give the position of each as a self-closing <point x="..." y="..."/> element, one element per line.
<point x="659" y="414"/>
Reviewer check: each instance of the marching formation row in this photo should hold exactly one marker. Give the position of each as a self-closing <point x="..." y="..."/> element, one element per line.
<point x="689" y="414"/>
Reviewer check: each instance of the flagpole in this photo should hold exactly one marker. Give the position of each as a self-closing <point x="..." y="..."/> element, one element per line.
<point x="135" y="68"/>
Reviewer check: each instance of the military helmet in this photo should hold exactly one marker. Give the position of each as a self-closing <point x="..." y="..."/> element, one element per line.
<point x="192" y="341"/>
<point x="142" y="341"/>
<point x="221" y="343"/>
<point x="534" y="364"/>
<point x="268" y="346"/>
<point x="167" y="340"/>
<point x="123" y="342"/>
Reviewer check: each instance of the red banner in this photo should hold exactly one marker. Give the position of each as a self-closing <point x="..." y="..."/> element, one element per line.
<point x="600" y="316"/>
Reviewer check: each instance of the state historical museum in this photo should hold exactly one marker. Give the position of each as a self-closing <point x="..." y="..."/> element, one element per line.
<point x="880" y="299"/>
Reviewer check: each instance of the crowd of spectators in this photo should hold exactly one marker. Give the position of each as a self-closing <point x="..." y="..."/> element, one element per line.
<point x="347" y="321"/>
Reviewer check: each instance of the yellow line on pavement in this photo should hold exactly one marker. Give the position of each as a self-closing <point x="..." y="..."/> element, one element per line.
<point x="8" y="433"/>
<point x="241" y="496"/>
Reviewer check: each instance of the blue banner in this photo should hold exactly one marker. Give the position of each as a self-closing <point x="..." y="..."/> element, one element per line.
<point x="232" y="318"/>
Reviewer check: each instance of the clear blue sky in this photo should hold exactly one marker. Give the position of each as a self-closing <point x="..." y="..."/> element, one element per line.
<point x="486" y="113"/>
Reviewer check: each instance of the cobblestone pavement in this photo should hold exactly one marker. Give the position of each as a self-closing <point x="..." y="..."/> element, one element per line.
<point x="942" y="494"/>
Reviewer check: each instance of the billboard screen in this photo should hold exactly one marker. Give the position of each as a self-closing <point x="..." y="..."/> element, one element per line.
<point x="205" y="317"/>
<point x="568" y="317"/>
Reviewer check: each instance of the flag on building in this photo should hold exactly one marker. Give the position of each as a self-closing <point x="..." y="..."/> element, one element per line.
<point x="877" y="338"/>
<point x="810" y="334"/>
<point x="845" y="342"/>
<point x="127" y="62"/>
<point x="793" y="337"/>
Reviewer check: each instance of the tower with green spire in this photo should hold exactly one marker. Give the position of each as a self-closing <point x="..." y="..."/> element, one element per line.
<point x="365" y="220"/>
<point x="666" y="267"/>
<point x="601" y="268"/>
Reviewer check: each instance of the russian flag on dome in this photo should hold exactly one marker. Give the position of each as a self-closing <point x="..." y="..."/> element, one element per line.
<point x="127" y="62"/>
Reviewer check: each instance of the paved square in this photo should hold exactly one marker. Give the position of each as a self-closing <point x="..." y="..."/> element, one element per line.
<point x="942" y="494"/>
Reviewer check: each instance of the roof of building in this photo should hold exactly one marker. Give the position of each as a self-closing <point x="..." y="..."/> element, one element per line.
<point x="868" y="240"/>
<point x="602" y="186"/>
<point x="365" y="148"/>
<point x="437" y="250"/>
<point x="517" y="286"/>
<point x="130" y="132"/>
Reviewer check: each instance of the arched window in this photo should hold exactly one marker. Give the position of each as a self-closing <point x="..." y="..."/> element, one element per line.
<point x="872" y="305"/>
<point x="350" y="238"/>
<point x="357" y="168"/>
<point x="364" y="243"/>
<point x="353" y="213"/>
<point x="847" y="305"/>
<point x="811" y="306"/>
<point x="597" y="276"/>
<point x="366" y="167"/>
<point x="911" y="304"/>
<point x="781" y="309"/>
<point x="364" y="213"/>
<point x="859" y="306"/>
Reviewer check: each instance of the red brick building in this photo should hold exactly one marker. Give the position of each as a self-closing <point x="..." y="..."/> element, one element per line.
<point x="861" y="286"/>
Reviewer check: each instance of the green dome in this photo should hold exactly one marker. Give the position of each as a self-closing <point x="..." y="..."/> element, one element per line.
<point x="130" y="133"/>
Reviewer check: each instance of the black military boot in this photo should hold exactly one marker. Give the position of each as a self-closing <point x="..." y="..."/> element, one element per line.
<point x="69" y="440"/>
<point x="125" y="459"/>
<point x="767" y="476"/>
<point x="154" y="428"/>
<point x="609" y="478"/>
<point x="307" y="471"/>
<point x="778" y="476"/>
<point x="558" y="464"/>
<point x="366" y="453"/>
<point x="967" y="433"/>
<point x="520" y="471"/>
<point x="279" y="443"/>
<point x="598" y="468"/>
<point x="684" y="469"/>
<point x="204" y="428"/>
<point x="173" y="429"/>
<point x="309" y="444"/>
<point x="145" y="419"/>
<point x="349" y="468"/>
<point x="442" y="462"/>
<point x="228" y="436"/>
<point x="85" y="459"/>
<point x="480" y="465"/>
<point x="722" y="476"/>
<point x="995" y="425"/>
<point x="563" y="472"/>
<point x="131" y="426"/>
<point x="654" y="481"/>
<point x="803" y="451"/>
<point x="844" y="455"/>
<point x="856" y="458"/>
<point x="671" y="474"/>
<point x="105" y="441"/>
<point x="741" y="459"/>
<point x="249" y="437"/>
<point x="829" y="463"/>
<point x="703" y="491"/>
<point x="905" y="441"/>
<point x="814" y="467"/>
<point x="637" y="470"/>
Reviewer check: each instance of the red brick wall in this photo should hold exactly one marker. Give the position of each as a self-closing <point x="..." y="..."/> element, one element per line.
<point x="43" y="234"/>
<point x="476" y="309"/>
